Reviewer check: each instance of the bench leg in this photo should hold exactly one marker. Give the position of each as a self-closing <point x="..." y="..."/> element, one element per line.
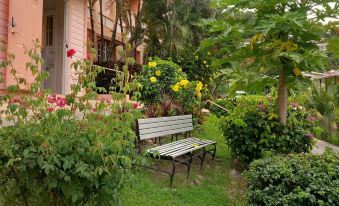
<point x="189" y="166"/>
<point x="202" y="159"/>
<point x="215" y="151"/>
<point x="172" y="173"/>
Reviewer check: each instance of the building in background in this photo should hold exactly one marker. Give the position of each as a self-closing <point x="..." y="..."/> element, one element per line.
<point x="59" y="25"/>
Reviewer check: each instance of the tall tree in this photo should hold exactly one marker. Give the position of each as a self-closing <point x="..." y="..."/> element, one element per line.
<point x="280" y="39"/>
<point x="101" y="33"/>
<point x="171" y="25"/>
<point x="91" y="14"/>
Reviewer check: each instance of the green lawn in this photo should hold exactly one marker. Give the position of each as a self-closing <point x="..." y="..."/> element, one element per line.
<point x="217" y="184"/>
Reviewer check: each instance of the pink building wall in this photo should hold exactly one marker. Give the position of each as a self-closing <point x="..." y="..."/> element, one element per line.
<point x="4" y="5"/>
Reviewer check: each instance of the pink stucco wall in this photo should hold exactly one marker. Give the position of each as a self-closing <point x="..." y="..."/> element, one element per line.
<point x="3" y="34"/>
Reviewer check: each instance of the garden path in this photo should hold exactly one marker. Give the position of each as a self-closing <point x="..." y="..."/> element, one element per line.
<point x="320" y="147"/>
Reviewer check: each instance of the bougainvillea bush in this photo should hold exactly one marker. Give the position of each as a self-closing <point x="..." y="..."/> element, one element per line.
<point x="166" y="89"/>
<point x="252" y="129"/>
<point x="73" y="150"/>
<point x="302" y="179"/>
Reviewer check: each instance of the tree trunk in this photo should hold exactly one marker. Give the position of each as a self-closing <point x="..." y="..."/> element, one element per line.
<point x="114" y="32"/>
<point x="101" y="33"/>
<point x="282" y="97"/>
<point x="91" y="4"/>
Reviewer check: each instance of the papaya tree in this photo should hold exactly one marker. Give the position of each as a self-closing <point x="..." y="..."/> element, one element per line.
<point x="275" y="38"/>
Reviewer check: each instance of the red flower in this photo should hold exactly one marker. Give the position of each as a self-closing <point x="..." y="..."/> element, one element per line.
<point x="51" y="99"/>
<point x="61" y="102"/>
<point x="50" y="109"/>
<point x="70" y="53"/>
<point x="136" y="105"/>
<point x="88" y="56"/>
<point x="17" y="100"/>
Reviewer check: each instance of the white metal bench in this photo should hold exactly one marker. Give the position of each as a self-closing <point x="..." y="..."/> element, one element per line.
<point x="178" y="152"/>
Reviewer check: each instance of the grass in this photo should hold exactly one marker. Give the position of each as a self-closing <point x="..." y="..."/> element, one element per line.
<point x="217" y="184"/>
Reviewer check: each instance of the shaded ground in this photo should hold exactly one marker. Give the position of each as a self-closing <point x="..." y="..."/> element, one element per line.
<point x="219" y="183"/>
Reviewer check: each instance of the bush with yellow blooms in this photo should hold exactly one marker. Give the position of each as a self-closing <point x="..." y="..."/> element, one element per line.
<point x="164" y="84"/>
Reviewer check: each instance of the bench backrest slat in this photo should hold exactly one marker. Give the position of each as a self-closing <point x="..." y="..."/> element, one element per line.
<point x="162" y="126"/>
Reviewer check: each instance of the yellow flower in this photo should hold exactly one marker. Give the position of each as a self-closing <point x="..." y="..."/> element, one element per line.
<point x="185" y="83"/>
<point x="176" y="88"/>
<point x="198" y="94"/>
<point x="199" y="86"/>
<point x="158" y="73"/>
<point x="152" y="64"/>
<point x="153" y="79"/>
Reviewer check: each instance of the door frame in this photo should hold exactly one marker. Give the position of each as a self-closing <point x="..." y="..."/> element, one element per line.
<point x="64" y="60"/>
<point x="65" y="80"/>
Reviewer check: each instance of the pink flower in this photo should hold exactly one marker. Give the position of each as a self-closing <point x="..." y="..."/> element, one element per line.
<point x="70" y="53"/>
<point x="38" y="94"/>
<point x="52" y="99"/>
<point x="311" y="118"/>
<point x="50" y="109"/>
<point x="262" y="107"/>
<point x="61" y="102"/>
<point x="294" y="105"/>
<point x="310" y="135"/>
<point x="135" y="105"/>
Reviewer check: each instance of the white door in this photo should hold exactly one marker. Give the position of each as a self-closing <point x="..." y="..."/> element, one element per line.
<point x="49" y="49"/>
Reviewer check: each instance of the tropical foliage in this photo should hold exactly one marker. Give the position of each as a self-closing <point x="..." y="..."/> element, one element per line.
<point x="252" y="129"/>
<point x="303" y="179"/>
<point x="271" y="38"/>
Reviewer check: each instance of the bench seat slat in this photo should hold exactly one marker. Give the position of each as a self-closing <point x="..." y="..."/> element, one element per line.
<point x="181" y="147"/>
<point x="165" y="146"/>
<point x="192" y="147"/>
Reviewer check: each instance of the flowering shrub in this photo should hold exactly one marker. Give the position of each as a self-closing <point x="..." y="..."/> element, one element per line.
<point x="157" y="78"/>
<point x="303" y="179"/>
<point x="76" y="150"/>
<point x="252" y="129"/>
<point x="188" y="94"/>
<point x="166" y="88"/>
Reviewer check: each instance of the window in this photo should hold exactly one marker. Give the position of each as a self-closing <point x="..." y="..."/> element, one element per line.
<point x="105" y="49"/>
<point x="50" y="31"/>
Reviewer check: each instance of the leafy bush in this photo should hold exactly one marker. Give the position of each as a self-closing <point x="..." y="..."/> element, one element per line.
<point x="51" y="156"/>
<point x="226" y="103"/>
<point x="303" y="179"/>
<point x="166" y="90"/>
<point x="157" y="79"/>
<point x="66" y="161"/>
<point x="252" y="129"/>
